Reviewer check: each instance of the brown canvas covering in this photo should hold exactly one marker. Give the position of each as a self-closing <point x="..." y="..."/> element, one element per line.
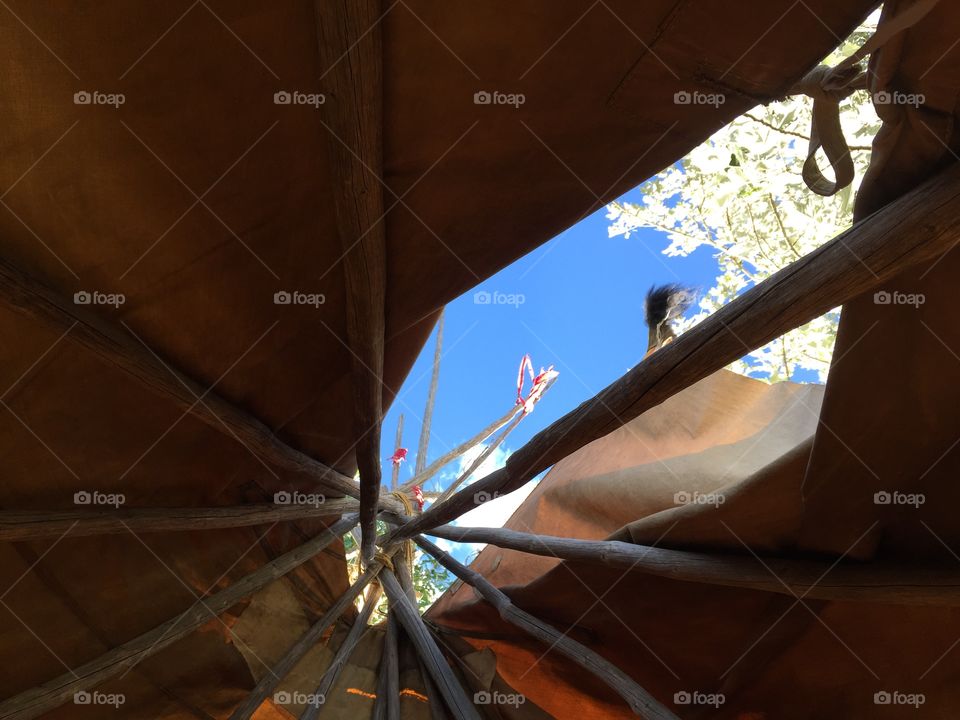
<point x="102" y="198"/>
<point x="887" y="424"/>
<point x="716" y="438"/>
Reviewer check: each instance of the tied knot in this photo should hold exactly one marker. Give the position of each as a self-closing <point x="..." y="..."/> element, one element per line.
<point x="404" y="500"/>
<point x="828" y="86"/>
<point x="831" y="83"/>
<point x="384" y="559"/>
<point x="408" y="549"/>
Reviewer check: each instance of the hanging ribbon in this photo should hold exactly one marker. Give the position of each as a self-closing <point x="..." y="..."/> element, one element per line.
<point x="539" y="383"/>
<point x="525" y="364"/>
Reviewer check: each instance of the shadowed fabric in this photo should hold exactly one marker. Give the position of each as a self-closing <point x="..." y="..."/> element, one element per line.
<point x="205" y="203"/>
<point x="807" y="476"/>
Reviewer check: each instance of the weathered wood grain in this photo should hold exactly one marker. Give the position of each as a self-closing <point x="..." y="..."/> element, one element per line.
<point x="20" y="525"/>
<point x="461" y="706"/>
<point x="817" y="580"/>
<point x="351" y="53"/>
<point x="639" y="700"/>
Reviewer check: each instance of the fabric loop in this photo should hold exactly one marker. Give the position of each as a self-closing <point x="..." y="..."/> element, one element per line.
<point x="828" y="87"/>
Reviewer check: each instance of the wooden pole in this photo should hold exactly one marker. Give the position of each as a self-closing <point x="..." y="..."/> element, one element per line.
<point x="437" y="708"/>
<point x="268" y="683"/>
<point x="346" y="648"/>
<point x="350" y="48"/>
<point x="487" y="452"/>
<point x="434" y="467"/>
<point x="387" y="704"/>
<point x="438" y="711"/>
<point x="19" y="525"/>
<point x="463" y="671"/>
<point x="122" y="350"/>
<point x="36" y="701"/>
<point x="918" y="227"/>
<point x="424" y="443"/>
<point x="409" y="617"/>
<point x="639" y="700"/>
<point x="867" y="582"/>
<point x="395" y="472"/>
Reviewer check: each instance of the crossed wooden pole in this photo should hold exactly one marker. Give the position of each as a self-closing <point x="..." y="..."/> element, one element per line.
<point x="919" y="227"/>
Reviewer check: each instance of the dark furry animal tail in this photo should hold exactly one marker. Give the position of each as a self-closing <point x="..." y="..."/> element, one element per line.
<point x="664" y="304"/>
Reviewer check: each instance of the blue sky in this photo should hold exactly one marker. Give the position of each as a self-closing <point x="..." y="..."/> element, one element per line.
<point x="582" y="312"/>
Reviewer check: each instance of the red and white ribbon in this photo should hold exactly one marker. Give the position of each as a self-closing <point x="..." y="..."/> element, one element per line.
<point x="540" y="383"/>
<point x="525" y="364"/>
